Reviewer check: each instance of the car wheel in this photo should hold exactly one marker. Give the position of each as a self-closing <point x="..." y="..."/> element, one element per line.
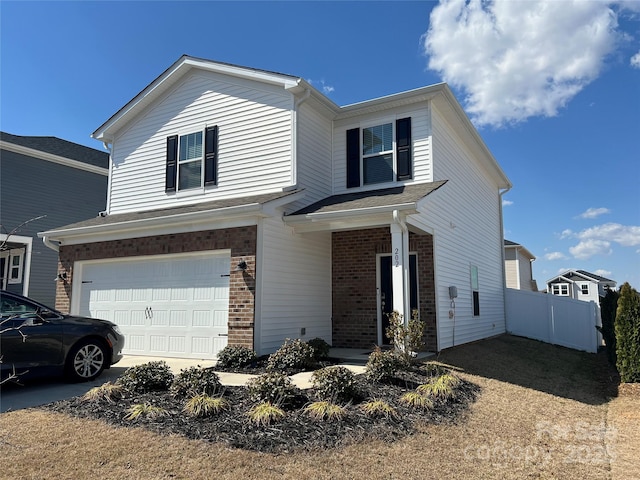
<point x="86" y="360"/>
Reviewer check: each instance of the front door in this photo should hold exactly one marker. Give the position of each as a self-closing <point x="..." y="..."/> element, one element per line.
<point x="385" y="298"/>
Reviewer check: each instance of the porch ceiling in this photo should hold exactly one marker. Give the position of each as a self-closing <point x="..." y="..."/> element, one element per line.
<point x="362" y="209"/>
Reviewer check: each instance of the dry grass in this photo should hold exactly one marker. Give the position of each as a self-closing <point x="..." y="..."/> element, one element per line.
<point x="543" y="412"/>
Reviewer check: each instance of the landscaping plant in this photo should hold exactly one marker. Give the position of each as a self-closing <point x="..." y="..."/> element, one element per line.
<point x="147" y="377"/>
<point x="292" y="357"/>
<point x="628" y="334"/>
<point x="235" y="357"/>
<point x="194" y="381"/>
<point x="336" y="383"/>
<point x="383" y="364"/>
<point x="144" y="410"/>
<point x="203" y="405"/>
<point x="265" y="413"/>
<point x="109" y="392"/>
<point x="324" y="410"/>
<point x="608" y="307"/>
<point x="320" y="348"/>
<point x="407" y="339"/>
<point x="272" y="387"/>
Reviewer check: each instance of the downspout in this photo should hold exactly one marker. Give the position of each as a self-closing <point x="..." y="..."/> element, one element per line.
<point x="504" y="270"/>
<point x="110" y="149"/>
<point x="48" y="243"/>
<point x="405" y="264"/>
<point x="294" y="152"/>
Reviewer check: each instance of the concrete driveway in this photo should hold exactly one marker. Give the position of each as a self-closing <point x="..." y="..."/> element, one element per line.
<point x="42" y="391"/>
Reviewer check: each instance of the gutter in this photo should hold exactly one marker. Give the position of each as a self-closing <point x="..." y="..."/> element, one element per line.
<point x="49" y="244"/>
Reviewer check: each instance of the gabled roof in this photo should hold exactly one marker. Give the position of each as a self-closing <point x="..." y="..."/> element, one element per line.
<point x="59" y="147"/>
<point x="580" y="275"/>
<point x="518" y="246"/>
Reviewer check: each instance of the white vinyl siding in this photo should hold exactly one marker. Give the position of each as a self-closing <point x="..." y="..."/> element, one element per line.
<point x="294" y="285"/>
<point x="254" y="143"/>
<point x="466" y="220"/>
<point x="420" y="152"/>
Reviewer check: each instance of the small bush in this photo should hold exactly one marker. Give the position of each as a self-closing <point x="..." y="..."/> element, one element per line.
<point x="292" y="357"/>
<point x="194" y="381"/>
<point x="628" y="334"/>
<point x="144" y="410"/>
<point x="442" y="388"/>
<point x="320" y="348"/>
<point x="272" y="387"/>
<point x="383" y="365"/>
<point x="151" y="376"/>
<point x="235" y="357"/>
<point x="109" y="392"/>
<point x="378" y="408"/>
<point x="608" y="306"/>
<point x="407" y="339"/>
<point x="417" y="400"/>
<point x="265" y="413"/>
<point x="325" y="411"/>
<point x="336" y="383"/>
<point x="204" y="406"/>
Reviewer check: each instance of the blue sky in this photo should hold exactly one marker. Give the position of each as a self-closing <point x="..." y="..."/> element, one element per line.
<point x="552" y="86"/>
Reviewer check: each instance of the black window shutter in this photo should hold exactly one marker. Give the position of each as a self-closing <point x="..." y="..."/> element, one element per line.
<point x="353" y="158"/>
<point x="172" y="163"/>
<point x="211" y="155"/>
<point x="403" y="148"/>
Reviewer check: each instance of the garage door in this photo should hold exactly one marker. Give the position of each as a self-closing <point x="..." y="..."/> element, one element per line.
<point x="171" y="306"/>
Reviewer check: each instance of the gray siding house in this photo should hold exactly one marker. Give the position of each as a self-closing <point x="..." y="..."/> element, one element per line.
<point x="44" y="182"/>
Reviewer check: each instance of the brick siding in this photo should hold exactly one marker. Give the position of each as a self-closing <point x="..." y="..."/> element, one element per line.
<point x="355" y="311"/>
<point x="242" y="285"/>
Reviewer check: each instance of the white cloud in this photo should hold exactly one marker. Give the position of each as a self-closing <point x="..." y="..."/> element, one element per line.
<point x="635" y="60"/>
<point x="625" y="235"/>
<point x="515" y="60"/>
<point x="588" y="248"/>
<point x="326" y="89"/>
<point x="566" y="234"/>
<point x="506" y="203"/>
<point x="602" y="272"/>
<point x="594" y="212"/>
<point x="554" y="256"/>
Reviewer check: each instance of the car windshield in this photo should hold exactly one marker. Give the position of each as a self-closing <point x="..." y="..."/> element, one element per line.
<point x="11" y="306"/>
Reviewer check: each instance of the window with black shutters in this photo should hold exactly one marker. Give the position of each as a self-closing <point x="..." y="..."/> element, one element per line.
<point x="192" y="160"/>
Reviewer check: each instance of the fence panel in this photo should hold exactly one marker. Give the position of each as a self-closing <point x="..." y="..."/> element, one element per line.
<point x="552" y="319"/>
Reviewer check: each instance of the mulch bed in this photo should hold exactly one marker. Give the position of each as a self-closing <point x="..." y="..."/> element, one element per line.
<point x="297" y="431"/>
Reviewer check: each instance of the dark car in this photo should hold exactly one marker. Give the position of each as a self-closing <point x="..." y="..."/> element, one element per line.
<point x="36" y="340"/>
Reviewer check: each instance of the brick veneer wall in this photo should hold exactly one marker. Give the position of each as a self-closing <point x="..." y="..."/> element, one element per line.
<point x="242" y="285"/>
<point x="355" y="319"/>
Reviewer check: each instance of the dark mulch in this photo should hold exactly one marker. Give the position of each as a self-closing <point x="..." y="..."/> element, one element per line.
<point x="297" y="431"/>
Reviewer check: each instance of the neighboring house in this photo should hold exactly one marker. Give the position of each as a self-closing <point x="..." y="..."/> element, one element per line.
<point x="245" y="206"/>
<point x="44" y="182"/>
<point x="518" y="268"/>
<point x="580" y="285"/>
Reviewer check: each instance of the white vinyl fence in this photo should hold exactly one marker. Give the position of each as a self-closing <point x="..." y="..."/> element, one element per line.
<point x="553" y="319"/>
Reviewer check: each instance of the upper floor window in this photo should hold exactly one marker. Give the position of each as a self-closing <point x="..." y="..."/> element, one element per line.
<point x="584" y="288"/>
<point x="192" y="160"/>
<point x="561" y="289"/>
<point x="379" y="153"/>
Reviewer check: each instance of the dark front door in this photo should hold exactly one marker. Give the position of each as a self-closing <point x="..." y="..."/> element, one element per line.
<point x="386" y="291"/>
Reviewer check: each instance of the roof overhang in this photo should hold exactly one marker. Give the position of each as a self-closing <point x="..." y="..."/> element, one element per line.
<point x="168" y="221"/>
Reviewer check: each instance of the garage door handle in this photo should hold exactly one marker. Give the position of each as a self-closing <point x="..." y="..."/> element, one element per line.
<point x="227" y="275"/>
<point x="223" y="334"/>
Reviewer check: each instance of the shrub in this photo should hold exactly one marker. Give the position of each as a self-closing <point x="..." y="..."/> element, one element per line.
<point x="417" y="400"/>
<point x="407" y="339"/>
<point x="144" y="410"/>
<point x="442" y="387"/>
<point x="325" y="410"/>
<point x="628" y="334"/>
<point x="608" y="306"/>
<point x="235" y="357"/>
<point x="293" y="356"/>
<point x="320" y="348"/>
<point x="383" y="365"/>
<point x="110" y="392"/>
<point x="378" y="408"/>
<point x="194" y="381"/>
<point x="203" y="405"/>
<point x="147" y="377"/>
<point x="336" y="383"/>
<point x="265" y="413"/>
<point x="272" y="387"/>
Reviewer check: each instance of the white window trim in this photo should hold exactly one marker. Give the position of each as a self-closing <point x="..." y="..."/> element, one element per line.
<point x="557" y="286"/>
<point x="378" y="122"/>
<point x="13" y="254"/>
<point x="193" y="190"/>
<point x="26" y="264"/>
<point x="582" y="288"/>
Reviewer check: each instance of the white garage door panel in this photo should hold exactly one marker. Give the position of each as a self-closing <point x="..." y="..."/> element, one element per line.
<point x="174" y="307"/>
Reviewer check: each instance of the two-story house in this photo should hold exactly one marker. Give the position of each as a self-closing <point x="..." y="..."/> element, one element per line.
<point x="244" y="206"/>
<point x="45" y="182"/>
<point x="518" y="267"/>
<point x="580" y="285"/>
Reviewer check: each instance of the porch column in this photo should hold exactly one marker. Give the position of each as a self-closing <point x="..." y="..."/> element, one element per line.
<point x="399" y="267"/>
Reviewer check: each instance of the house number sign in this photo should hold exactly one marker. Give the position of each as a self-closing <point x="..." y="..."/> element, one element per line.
<point x="396" y="257"/>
